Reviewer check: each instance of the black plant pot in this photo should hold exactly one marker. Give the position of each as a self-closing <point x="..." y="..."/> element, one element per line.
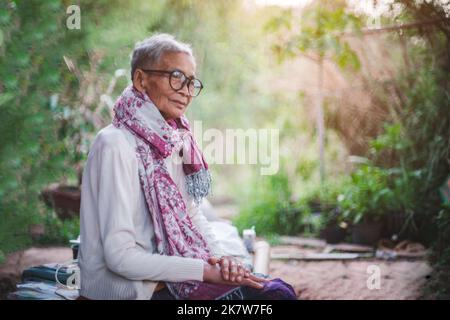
<point x="367" y="232"/>
<point x="333" y="234"/>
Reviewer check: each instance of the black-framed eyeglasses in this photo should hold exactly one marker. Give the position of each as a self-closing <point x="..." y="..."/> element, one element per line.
<point x="177" y="81"/>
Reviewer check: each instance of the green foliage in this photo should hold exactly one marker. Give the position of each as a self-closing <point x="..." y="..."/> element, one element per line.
<point x="34" y="132"/>
<point x="59" y="232"/>
<point x="375" y="192"/>
<point x="269" y="208"/>
<point x="426" y="128"/>
<point x="14" y="228"/>
<point x="390" y="139"/>
<point x="317" y="33"/>
<point x="30" y="73"/>
<point x="272" y="209"/>
<point x="437" y="286"/>
<point x="408" y="160"/>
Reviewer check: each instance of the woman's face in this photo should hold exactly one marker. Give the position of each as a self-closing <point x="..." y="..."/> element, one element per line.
<point x="172" y="104"/>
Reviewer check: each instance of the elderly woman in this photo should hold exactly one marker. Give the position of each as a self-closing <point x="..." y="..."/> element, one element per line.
<point x="143" y="235"/>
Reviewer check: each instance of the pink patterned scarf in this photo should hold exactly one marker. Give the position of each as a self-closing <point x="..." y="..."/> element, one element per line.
<point x="156" y="138"/>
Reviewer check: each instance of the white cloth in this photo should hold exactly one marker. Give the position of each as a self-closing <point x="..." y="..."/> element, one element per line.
<point x="230" y="242"/>
<point x="117" y="256"/>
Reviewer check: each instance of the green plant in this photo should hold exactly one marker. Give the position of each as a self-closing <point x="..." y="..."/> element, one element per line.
<point x="59" y="231"/>
<point x="437" y="286"/>
<point x="36" y="90"/>
<point x="376" y="192"/>
<point x="319" y="204"/>
<point x="269" y="208"/>
<point x="414" y="149"/>
<point x="368" y="194"/>
<point x="273" y="239"/>
<point x="273" y="210"/>
<point x="316" y="34"/>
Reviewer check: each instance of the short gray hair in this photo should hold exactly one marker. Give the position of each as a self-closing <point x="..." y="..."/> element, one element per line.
<point x="149" y="51"/>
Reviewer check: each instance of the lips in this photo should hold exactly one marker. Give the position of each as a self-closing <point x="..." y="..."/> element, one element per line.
<point x="180" y="104"/>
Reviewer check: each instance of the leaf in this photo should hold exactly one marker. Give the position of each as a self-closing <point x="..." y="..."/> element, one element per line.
<point x="5" y="98"/>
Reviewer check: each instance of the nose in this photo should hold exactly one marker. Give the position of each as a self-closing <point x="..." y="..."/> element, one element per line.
<point x="184" y="89"/>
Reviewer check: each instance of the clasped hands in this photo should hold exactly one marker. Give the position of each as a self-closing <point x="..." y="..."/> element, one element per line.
<point x="228" y="270"/>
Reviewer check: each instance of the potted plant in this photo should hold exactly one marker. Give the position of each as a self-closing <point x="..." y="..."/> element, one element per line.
<point x="367" y="231"/>
<point x="335" y="229"/>
<point x="366" y="202"/>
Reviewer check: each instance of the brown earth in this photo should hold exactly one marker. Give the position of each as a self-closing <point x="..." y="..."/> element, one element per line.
<point x="347" y="280"/>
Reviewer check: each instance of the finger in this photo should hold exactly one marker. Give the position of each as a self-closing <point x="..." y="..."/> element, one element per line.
<point x="224" y="262"/>
<point x="224" y="268"/>
<point x="257" y="279"/>
<point x="246" y="271"/>
<point x="253" y="284"/>
<point x="213" y="260"/>
<point x="233" y="271"/>
<point x="226" y="275"/>
<point x="241" y="270"/>
<point x="244" y="267"/>
<point x="240" y="273"/>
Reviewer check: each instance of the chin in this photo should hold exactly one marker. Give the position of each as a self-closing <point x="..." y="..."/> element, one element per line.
<point x="178" y="114"/>
<point x="173" y="116"/>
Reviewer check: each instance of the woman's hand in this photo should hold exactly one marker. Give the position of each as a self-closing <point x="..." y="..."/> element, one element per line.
<point x="231" y="269"/>
<point x="213" y="274"/>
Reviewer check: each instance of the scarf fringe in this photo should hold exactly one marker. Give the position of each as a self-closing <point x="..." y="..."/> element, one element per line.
<point x="199" y="184"/>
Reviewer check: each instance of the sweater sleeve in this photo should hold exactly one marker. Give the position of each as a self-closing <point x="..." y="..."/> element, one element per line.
<point x="117" y="200"/>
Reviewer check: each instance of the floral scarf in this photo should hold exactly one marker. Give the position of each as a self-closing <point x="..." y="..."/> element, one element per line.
<point x="156" y="139"/>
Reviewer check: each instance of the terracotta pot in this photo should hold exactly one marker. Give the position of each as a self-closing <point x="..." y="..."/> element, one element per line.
<point x="65" y="200"/>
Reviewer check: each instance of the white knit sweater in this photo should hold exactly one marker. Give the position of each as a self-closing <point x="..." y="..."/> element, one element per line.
<point x="117" y="256"/>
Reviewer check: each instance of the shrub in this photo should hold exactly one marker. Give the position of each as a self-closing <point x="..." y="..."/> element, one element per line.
<point x="269" y="208"/>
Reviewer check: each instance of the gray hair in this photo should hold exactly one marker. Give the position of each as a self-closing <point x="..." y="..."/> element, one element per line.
<point x="149" y="51"/>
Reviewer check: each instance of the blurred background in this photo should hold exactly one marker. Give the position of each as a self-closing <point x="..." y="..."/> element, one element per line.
<point x="359" y="91"/>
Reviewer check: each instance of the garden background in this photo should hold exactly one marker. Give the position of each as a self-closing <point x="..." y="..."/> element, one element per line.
<point x="359" y="91"/>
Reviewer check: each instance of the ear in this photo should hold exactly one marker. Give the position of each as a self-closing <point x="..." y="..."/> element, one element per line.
<point x="138" y="80"/>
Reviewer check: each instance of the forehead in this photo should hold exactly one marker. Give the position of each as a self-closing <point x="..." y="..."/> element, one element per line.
<point x="177" y="60"/>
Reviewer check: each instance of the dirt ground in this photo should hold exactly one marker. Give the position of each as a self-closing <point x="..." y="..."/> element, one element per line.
<point x="311" y="279"/>
<point x="347" y="280"/>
